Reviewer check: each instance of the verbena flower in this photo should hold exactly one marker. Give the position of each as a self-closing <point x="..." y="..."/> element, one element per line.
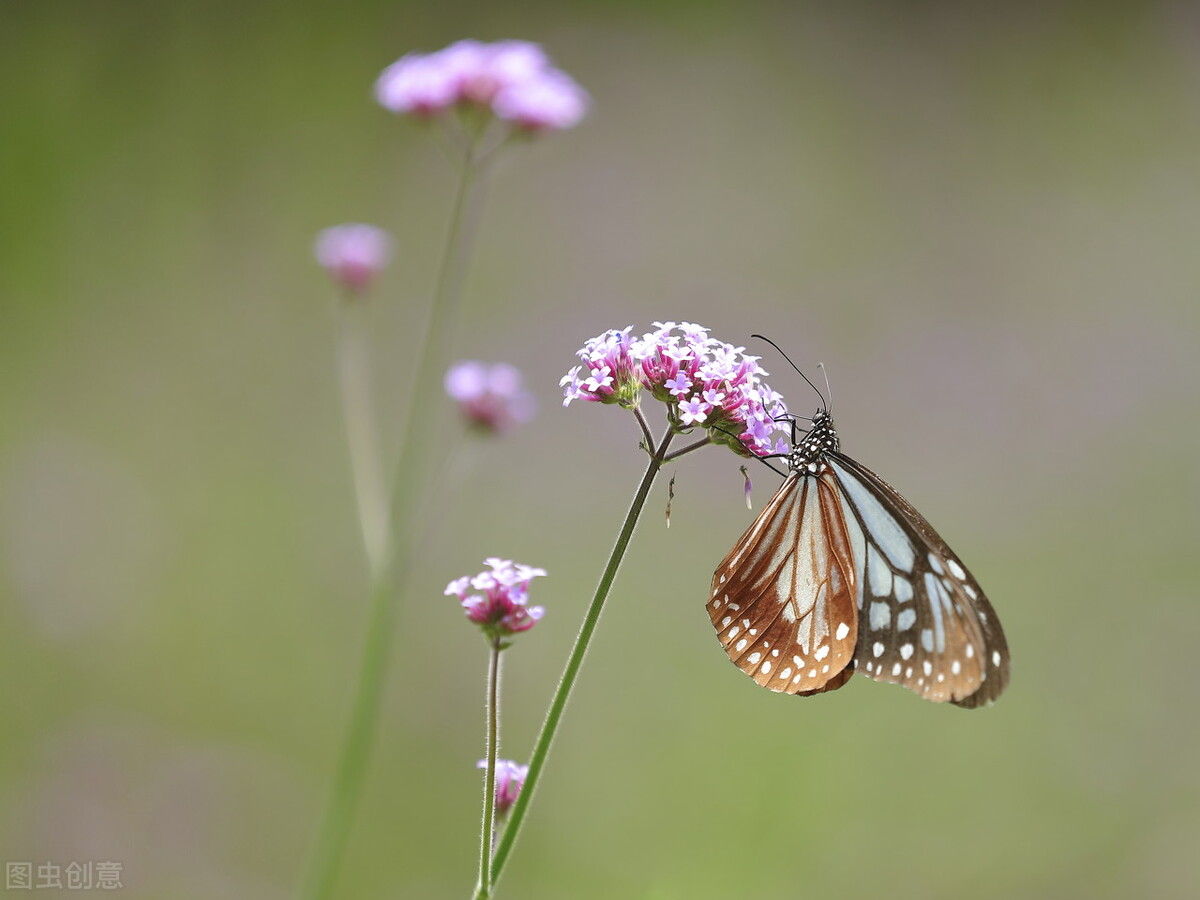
<point x="513" y="80"/>
<point x="353" y="254"/>
<point x="704" y="383"/>
<point x="492" y="398"/>
<point x="496" y="599"/>
<point x="510" y="778"/>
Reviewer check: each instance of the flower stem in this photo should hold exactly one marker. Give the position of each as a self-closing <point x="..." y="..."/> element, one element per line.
<point x="356" y="749"/>
<point x="696" y="445"/>
<point x="484" y="887"/>
<point x="554" y="715"/>
<point x="432" y="354"/>
<point x="432" y="350"/>
<point x="354" y="375"/>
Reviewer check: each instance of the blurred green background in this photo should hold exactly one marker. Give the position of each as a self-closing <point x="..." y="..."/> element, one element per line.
<point x="982" y="219"/>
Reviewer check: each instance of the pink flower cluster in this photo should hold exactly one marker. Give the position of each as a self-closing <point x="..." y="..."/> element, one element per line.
<point x="510" y="778"/>
<point x="499" y="607"/>
<point x="514" y="80"/>
<point x="491" y="397"/>
<point x="703" y="381"/>
<point x="353" y="254"/>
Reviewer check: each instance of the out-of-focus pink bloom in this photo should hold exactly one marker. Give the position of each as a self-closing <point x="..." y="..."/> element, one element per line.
<point x="492" y="397"/>
<point x="551" y="102"/>
<point x="499" y="607"/>
<point x="704" y="382"/>
<point x="513" y="80"/>
<point x="353" y="254"/>
<point x="510" y="778"/>
<point x="416" y="83"/>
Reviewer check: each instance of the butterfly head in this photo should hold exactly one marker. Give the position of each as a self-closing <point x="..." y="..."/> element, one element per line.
<point x="808" y="455"/>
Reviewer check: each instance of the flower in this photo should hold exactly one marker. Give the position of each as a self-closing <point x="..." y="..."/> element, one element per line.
<point x="513" y="80"/>
<point x="353" y="254"/>
<point x="499" y="608"/>
<point x="551" y="102"/>
<point x="491" y="397"/>
<point x="703" y="381"/>
<point x="510" y="778"/>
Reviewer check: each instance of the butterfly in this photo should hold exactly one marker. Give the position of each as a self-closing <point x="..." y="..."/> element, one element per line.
<point x="839" y="574"/>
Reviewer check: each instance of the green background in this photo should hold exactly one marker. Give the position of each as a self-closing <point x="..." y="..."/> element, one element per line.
<point x="982" y="219"/>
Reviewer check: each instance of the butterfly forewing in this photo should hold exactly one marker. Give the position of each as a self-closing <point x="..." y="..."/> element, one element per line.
<point x="783" y="600"/>
<point x="924" y="622"/>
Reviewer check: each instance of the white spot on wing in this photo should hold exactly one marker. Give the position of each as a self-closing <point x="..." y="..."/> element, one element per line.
<point x="842" y="630"/>
<point x="881" y="616"/>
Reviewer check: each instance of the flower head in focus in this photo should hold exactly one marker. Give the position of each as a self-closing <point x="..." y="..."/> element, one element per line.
<point x="353" y="254"/>
<point x="492" y="397"/>
<point x="512" y="80"/>
<point x="704" y="383"/>
<point x="496" y="599"/>
<point x="510" y="778"/>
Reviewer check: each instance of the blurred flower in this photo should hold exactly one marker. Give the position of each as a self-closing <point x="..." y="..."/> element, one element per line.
<point x="513" y="80"/>
<point x="703" y="381"/>
<point x="492" y="397"/>
<point x="510" y="778"/>
<point x="551" y="102"/>
<point x="353" y="254"/>
<point x="499" y="607"/>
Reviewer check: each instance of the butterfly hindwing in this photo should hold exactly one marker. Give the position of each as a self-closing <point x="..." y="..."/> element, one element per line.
<point x="924" y="621"/>
<point x="783" y="601"/>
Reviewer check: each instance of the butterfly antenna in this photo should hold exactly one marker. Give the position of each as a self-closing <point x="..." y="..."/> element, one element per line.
<point x="761" y="337"/>
<point x="828" y="389"/>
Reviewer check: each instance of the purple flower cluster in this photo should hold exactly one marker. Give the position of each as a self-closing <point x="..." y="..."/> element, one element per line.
<point x="514" y="80"/>
<point x="510" y="778"/>
<point x="492" y="398"/>
<point x="499" y="605"/>
<point x="353" y="254"/>
<point x="703" y="381"/>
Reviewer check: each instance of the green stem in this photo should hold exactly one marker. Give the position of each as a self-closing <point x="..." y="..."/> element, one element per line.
<point x="574" y="661"/>
<point x="488" y="835"/>
<point x="354" y="376"/>
<point x="433" y="346"/>
<point x="356" y="750"/>
<point x="432" y="351"/>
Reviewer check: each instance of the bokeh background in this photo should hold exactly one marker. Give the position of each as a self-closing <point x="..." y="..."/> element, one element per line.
<point x="982" y="219"/>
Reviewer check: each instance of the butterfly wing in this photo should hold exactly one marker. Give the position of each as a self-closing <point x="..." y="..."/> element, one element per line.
<point x="783" y="601"/>
<point x="924" y="622"/>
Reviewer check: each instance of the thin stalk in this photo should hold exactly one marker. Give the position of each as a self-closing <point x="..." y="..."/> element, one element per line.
<point x="432" y="353"/>
<point x="696" y="445"/>
<point x="356" y="749"/>
<point x="354" y="376"/>
<point x="488" y="831"/>
<point x="433" y="347"/>
<point x="647" y="437"/>
<point x="554" y="715"/>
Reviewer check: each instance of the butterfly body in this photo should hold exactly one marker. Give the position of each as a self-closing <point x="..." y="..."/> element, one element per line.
<point x="839" y="574"/>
